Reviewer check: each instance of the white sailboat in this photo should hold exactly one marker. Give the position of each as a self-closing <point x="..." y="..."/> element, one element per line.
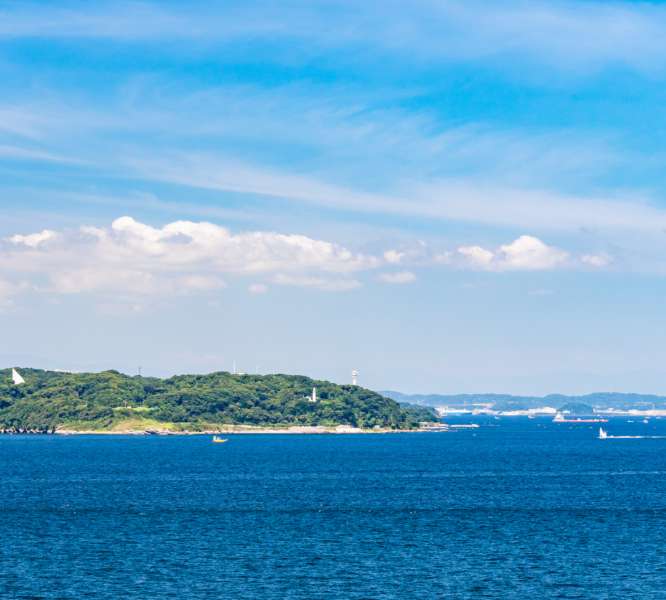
<point x="602" y="434"/>
<point x="16" y="377"/>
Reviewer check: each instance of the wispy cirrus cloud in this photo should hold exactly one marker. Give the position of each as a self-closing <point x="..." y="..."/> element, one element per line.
<point x="484" y="195"/>
<point x="469" y="173"/>
<point x="338" y="132"/>
<point x="567" y="34"/>
<point x="463" y="200"/>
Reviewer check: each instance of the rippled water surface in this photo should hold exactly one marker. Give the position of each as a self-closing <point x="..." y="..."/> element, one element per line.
<point x="515" y="509"/>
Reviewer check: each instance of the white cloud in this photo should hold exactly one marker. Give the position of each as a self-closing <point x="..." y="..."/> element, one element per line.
<point x="29" y="154"/>
<point x="400" y="277"/>
<point x="464" y="200"/>
<point x="104" y="278"/>
<point x="527" y="253"/>
<point x="185" y="242"/>
<point x="489" y="186"/>
<point x="477" y="256"/>
<point x="185" y="257"/>
<point x="530" y="253"/>
<point x="557" y="33"/>
<point x="393" y="257"/>
<point x="596" y="260"/>
<point x="33" y="240"/>
<point x="574" y="35"/>
<point x="180" y="257"/>
<point x="325" y="284"/>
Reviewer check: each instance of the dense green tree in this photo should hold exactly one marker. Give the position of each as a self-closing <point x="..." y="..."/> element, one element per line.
<point x="99" y="400"/>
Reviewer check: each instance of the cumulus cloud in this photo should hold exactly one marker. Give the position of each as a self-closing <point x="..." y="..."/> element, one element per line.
<point x="185" y="242"/>
<point x="477" y="256"/>
<point x="531" y="253"/>
<point x="401" y="277"/>
<point x="527" y="253"/>
<point x="33" y="240"/>
<point x="135" y="259"/>
<point x="393" y="257"/>
<point x="180" y="257"/>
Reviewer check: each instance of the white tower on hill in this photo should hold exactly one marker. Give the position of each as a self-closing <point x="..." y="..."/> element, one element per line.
<point x="313" y="398"/>
<point x="354" y="377"/>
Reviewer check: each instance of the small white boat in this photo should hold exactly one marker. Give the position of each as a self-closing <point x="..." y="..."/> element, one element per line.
<point x="603" y="435"/>
<point x="219" y="440"/>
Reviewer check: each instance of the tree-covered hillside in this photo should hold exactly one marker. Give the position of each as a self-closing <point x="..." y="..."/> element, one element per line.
<point x="49" y="400"/>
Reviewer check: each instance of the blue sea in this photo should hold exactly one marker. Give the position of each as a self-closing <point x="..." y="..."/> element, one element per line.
<point x="517" y="508"/>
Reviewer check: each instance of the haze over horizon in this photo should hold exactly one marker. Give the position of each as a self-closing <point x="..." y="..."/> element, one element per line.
<point x="460" y="198"/>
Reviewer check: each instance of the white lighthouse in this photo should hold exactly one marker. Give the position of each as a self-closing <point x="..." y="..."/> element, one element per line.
<point x="354" y="377"/>
<point x="313" y="398"/>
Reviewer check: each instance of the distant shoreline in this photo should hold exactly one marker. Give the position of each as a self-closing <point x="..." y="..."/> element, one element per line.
<point x="240" y="429"/>
<point x="232" y="429"/>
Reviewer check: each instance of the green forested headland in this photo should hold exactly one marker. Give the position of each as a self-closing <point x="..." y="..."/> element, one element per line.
<point x="49" y="400"/>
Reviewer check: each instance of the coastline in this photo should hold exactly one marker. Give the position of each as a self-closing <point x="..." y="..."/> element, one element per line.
<point x="241" y="429"/>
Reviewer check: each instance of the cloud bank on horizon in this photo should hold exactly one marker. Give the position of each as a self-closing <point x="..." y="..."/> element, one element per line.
<point x="269" y="152"/>
<point x="136" y="259"/>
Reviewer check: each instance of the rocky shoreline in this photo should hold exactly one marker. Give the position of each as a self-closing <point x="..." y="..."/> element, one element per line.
<point x="233" y="429"/>
<point x="293" y="430"/>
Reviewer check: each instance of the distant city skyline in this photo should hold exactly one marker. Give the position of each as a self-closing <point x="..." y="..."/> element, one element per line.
<point x="459" y="197"/>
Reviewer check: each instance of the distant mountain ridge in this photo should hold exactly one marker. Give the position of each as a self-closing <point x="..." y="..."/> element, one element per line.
<point x="616" y="400"/>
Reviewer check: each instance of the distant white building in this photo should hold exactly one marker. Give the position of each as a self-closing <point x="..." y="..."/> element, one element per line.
<point x="313" y="398"/>
<point x="354" y="377"/>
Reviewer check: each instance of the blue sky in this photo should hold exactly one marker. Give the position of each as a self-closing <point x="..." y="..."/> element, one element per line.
<point x="461" y="197"/>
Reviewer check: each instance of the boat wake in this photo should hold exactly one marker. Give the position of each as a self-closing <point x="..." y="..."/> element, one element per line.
<point x="603" y="435"/>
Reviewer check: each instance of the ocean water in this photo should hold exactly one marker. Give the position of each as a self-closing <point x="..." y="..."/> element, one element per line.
<point x="515" y="509"/>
